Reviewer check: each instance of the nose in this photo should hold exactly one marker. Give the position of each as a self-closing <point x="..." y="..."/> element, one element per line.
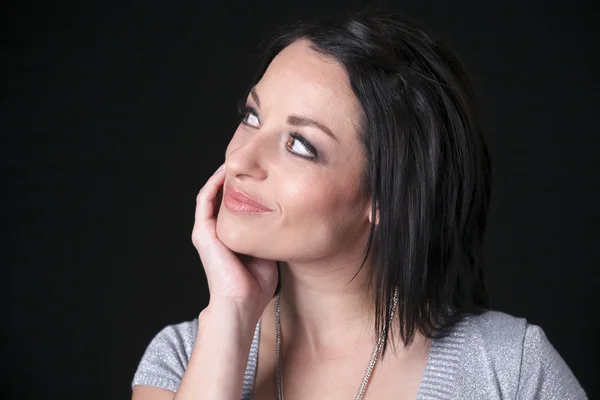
<point x="246" y="157"/>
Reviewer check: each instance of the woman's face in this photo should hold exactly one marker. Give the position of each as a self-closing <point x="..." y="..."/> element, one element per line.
<point x="309" y="175"/>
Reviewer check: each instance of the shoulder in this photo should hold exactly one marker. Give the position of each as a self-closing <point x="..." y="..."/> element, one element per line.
<point x="495" y="330"/>
<point x="166" y="357"/>
<point x="508" y="356"/>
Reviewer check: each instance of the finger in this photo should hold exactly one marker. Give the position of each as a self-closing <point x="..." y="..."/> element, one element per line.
<point x="205" y="202"/>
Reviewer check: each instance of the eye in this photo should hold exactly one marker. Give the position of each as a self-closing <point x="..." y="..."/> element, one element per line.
<point x="249" y="116"/>
<point x="300" y="146"/>
<point x="296" y="144"/>
<point x="252" y="119"/>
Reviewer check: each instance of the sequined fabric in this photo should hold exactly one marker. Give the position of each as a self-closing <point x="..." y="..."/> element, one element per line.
<point x="488" y="356"/>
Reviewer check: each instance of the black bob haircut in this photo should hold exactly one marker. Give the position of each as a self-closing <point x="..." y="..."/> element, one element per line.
<point x="428" y="166"/>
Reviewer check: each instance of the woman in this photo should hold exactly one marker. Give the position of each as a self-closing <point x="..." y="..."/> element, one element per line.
<point x="359" y="166"/>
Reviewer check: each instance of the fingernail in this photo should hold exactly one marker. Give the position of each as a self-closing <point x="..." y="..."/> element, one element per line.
<point x="221" y="167"/>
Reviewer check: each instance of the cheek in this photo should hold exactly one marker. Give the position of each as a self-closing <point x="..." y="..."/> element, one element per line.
<point x="323" y="216"/>
<point x="310" y="201"/>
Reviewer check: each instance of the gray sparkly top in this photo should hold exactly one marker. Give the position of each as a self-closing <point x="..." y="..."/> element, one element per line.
<point x="488" y="356"/>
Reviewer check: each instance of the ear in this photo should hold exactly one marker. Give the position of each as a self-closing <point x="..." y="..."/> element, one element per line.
<point x="370" y="213"/>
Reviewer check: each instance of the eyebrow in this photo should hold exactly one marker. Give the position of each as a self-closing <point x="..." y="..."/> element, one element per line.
<point x="298" y="120"/>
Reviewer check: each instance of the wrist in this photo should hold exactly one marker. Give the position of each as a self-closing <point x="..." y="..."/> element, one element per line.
<point x="229" y="323"/>
<point x="246" y="312"/>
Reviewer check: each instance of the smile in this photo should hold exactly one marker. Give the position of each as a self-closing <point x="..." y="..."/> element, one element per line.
<point x="241" y="203"/>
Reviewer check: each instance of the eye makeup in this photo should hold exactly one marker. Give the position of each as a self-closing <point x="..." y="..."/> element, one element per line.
<point x="295" y="137"/>
<point x="296" y="144"/>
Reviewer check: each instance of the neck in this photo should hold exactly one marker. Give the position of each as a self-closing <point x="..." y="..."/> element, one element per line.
<point x="322" y="312"/>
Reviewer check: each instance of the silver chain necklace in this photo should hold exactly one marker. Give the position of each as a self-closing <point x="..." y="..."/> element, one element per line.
<point x="372" y="361"/>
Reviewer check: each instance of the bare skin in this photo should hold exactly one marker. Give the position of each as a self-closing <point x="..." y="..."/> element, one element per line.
<point x="314" y="376"/>
<point x="318" y="224"/>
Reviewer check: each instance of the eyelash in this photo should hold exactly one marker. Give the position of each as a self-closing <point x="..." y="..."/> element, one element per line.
<point x="244" y="110"/>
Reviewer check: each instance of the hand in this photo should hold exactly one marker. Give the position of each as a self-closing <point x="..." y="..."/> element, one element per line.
<point x="238" y="280"/>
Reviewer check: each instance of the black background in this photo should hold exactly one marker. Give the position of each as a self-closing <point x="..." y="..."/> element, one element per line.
<point x="113" y="116"/>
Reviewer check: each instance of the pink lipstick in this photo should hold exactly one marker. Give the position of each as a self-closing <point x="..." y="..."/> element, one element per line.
<point x="239" y="202"/>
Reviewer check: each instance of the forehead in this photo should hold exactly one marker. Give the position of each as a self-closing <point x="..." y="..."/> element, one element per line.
<point x="301" y="81"/>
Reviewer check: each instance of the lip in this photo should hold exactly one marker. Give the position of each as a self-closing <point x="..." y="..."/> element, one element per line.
<point x="241" y="203"/>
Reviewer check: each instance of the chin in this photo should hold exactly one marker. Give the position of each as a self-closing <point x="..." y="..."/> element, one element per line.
<point x="242" y="238"/>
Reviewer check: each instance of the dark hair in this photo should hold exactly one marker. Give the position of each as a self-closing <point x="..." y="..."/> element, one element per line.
<point x="428" y="166"/>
